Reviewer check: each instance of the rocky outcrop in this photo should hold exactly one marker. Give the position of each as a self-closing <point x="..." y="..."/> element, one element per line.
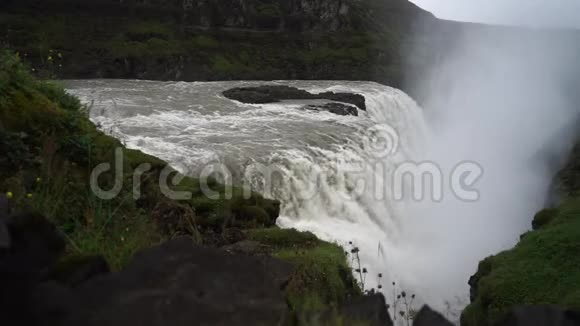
<point x="336" y="108"/>
<point x="428" y="317"/>
<point x="276" y="93"/>
<point x="33" y="248"/>
<point x="179" y="283"/>
<point x="567" y="181"/>
<point x="370" y="309"/>
<point x="275" y="15"/>
<point x="5" y="239"/>
<point x="176" y="283"/>
<point x="540" y="316"/>
<point x="193" y="40"/>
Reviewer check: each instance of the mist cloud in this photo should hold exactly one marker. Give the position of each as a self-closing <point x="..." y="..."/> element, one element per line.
<point x="504" y="98"/>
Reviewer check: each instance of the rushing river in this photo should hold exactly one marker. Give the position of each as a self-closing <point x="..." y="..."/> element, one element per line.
<point x="334" y="170"/>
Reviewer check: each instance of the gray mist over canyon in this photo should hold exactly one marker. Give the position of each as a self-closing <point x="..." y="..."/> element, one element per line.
<point x="496" y="97"/>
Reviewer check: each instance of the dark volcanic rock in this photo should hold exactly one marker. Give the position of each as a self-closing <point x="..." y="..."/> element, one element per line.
<point x="35" y="243"/>
<point x="4" y="233"/>
<point x="276" y="93"/>
<point x="428" y="317"/>
<point x="74" y="271"/>
<point x="50" y="304"/>
<point x="368" y="310"/>
<point x="34" y="247"/>
<point x="266" y="94"/>
<point x="178" y="283"/>
<point x="354" y="99"/>
<point x="336" y="108"/>
<point x="540" y="316"/>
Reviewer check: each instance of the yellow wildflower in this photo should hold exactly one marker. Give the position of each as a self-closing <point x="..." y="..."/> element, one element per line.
<point x="9" y="194"/>
<point x="29" y="195"/>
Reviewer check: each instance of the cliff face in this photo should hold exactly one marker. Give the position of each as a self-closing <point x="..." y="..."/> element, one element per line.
<point x="278" y="15"/>
<point x="211" y="40"/>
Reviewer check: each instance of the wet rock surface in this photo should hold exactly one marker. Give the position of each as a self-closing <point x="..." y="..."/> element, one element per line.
<point x="276" y="93"/>
<point x="336" y="108"/>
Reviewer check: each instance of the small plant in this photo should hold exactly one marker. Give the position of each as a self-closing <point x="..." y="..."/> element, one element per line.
<point x="407" y="311"/>
<point x="402" y="305"/>
<point x="356" y="263"/>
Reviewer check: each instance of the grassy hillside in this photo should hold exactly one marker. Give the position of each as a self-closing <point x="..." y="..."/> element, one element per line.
<point x="544" y="268"/>
<point x="49" y="148"/>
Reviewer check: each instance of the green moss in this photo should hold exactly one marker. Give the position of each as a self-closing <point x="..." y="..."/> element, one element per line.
<point x="284" y="238"/>
<point x="321" y="277"/>
<point x="543" y="218"/>
<point x="544" y="268"/>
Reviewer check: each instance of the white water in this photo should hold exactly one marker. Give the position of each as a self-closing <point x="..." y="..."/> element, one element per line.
<point x="191" y="125"/>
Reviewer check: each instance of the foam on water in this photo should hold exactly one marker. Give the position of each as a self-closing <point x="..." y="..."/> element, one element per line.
<point x="321" y="156"/>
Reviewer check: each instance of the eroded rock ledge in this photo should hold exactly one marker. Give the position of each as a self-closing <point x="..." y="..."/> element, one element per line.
<point x="276" y="93"/>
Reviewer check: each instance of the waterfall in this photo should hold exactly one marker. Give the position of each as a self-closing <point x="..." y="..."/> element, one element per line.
<point x="334" y="175"/>
<point x="344" y="193"/>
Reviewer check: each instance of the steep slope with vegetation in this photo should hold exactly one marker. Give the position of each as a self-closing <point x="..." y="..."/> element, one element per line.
<point x="543" y="269"/>
<point x="49" y="148"/>
<point x="211" y="40"/>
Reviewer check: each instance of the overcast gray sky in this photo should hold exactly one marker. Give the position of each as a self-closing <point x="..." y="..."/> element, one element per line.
<point x="554" y="13"/>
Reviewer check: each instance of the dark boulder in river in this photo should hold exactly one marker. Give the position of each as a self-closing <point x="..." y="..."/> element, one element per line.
<point x="276" y="93"/>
